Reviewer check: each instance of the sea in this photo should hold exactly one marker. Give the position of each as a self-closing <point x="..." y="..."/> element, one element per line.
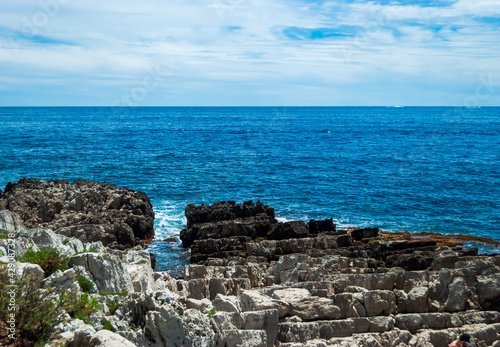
<point x="433" y="169"/>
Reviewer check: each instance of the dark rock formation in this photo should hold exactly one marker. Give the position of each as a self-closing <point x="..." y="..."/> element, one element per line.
<point x="90" y="211"/>
<point x="311" y="281"/>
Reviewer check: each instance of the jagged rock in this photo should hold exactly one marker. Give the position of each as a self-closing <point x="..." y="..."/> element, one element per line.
<point x="252" y="300"/>
<point x="321" y="226"/>
<point x="11" y="221"/>
<point x="107" y="271"/>
<point x="456" y="296"/>
<point x="68" y="278"/>
<point x="167" y="328"/>
<point x="119" y="217"/>
<point x="83" y="335"/>
<point x="226" y="303"/>
<point x="243" y="338"/>
<point x="488" y="290"/>
<point x="266" y="320"/>
<point x="106" y="338"/>
<point x="379" y="302"/>
<point x="28" y="269"/>
<point x="359" y="234"/>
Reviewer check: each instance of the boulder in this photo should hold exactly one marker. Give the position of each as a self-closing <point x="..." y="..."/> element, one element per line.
<point x="10" y="221"/>
<point x="106" y="338"/>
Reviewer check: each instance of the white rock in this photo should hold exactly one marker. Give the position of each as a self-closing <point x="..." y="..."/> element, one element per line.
<point x="67" y="278"/>
<point x="107" y="271"/>
<point x="142" y="277"/>
<point x="226" y="303"/>
<point x="106" y="338"/>
<point x="83" y="335"/>
<point x="11" y="221"/>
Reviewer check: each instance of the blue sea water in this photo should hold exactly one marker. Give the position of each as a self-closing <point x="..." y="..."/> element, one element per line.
<point x="415" y="169"/>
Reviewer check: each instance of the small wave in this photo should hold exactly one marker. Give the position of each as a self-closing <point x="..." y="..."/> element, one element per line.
<point x="169" y="218"/>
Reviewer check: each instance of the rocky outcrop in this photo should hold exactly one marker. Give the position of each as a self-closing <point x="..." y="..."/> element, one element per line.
<point x="313" y="285"/>
<point x="90" y="211"/>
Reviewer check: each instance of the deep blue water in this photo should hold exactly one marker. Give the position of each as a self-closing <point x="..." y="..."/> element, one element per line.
<point x="416" y="169"/>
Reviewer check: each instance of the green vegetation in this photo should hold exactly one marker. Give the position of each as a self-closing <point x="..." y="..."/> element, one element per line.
<point x="211" y="313"/>
<point x="83" y="307"/>
<point x="90" y="250"/>
<point x="121" y="294"/>
<point x="113" y="306"/>
<point x="65" y="242"/>
<point x="143" y="262"/>
<point x="85" y="284"/>
<point x="107" y="325"/>
<point x="49" y="260"/>
<point x="4" y="235"/>
<point x="37" y="310"/>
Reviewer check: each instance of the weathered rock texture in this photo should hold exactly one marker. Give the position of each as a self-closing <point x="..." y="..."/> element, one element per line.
<point x="301" y="284"/>
<point x="90" y="211"/>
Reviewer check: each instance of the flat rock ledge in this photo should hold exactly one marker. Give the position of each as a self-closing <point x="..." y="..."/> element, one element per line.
<point x="256" y="282"/>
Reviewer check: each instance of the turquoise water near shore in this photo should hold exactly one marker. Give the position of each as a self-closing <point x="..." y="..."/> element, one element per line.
<point x="433" y="169"/>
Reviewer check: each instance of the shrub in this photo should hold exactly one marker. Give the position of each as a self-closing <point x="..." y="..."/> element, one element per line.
<point x="49" y="260"/>
<point x="121" y="294"/>
<point x="107" y="325"/>
<point x="211" y="313"/>
<point x="4" y="234"/>
<point x="113" y="306"/>
<point x="37" y="310"/>
<point x="86" y="285"/>
<point x="83" y="307"/>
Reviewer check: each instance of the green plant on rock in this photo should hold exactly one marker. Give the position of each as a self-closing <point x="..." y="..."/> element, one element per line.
<point x="83" y="307"/>
<point x="36" y="310"/>
<point x="85" y="284"/>
<point x="113" y="306"/>
<point x="49" y="260"/>
<point x="120" y="294"/>
<point x="211" y="313"/>
<point x="4" y="235"/>
<point x="107" y="325"/>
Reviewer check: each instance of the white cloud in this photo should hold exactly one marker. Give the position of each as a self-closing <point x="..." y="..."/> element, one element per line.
<point x="234" y="47"/>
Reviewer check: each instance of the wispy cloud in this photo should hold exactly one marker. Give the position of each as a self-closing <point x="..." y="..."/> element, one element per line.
<point x="248" y="52"/>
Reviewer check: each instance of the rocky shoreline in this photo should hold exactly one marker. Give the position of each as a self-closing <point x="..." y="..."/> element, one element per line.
<point x="253" y="281"/>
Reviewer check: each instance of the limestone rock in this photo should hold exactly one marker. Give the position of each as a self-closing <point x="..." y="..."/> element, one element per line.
<point x="106" y="338"/>
<point x="107" y="271"/>
<point x="11" y="221"/>
<point x="83" y="335"/>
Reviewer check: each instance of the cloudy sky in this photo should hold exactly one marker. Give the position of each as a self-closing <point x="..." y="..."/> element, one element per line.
<point x="249" y="52"/>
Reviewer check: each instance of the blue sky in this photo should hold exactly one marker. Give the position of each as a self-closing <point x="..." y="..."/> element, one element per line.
<point x="249" y="52"/>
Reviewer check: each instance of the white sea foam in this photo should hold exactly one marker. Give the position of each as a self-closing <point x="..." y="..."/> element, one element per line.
<point x="169" y="218"/>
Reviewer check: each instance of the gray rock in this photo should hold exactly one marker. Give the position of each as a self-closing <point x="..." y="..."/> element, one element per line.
<point x="167" y="328"/>
<point x="11" y="221"/>
<point x="266" y="320"/>
<point x="243" y="338"/>
<point x="379" y="302"/>
<point x="417" y="300"/>
<point x="28" y="269"/>
<point x="83" y="335"/>
<point x="107" y="271"/>
<point x="106" y="338"/>
<point x="67" y="278"/>
<point x="488" y="288"/>
<point x="456" y="296"/>
<point x="226" y="303"/>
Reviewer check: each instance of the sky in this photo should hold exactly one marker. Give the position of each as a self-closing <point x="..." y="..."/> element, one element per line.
<point x="249" y="53"/>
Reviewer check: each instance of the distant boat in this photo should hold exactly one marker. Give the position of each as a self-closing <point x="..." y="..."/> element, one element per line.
<point x="399" y="106"/>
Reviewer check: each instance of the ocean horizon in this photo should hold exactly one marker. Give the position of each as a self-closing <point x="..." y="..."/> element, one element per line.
<point x="433" y="169"/>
